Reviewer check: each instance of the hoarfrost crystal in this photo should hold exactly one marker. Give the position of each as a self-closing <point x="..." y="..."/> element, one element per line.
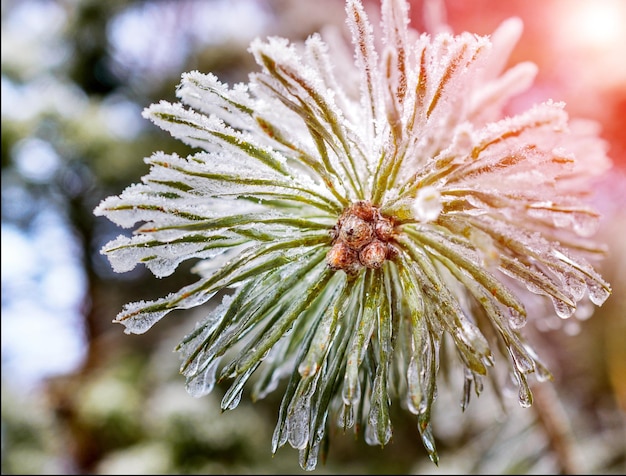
<point x="360" y="211"/>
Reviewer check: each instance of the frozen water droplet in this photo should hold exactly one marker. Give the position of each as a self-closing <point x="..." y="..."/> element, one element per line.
<point x="427" y="204"/>
<point x="415" y="397"/>
<point x="563" y="309"/>
<point x="525" y="395"/>
<point x="279" y="437"/>
<point x="542" y="373"/>
<point x="298" y="424"/>
<point x="232" y="403"/>
<point x="378" y="429"/>
<point x="467" y="390"/>
<point x="523" y="362"/>
<point x="202" y="383"/>
<point x="597" y="292"/>
<point x="232" y="397"/>
<point x="308" y="459"/>
<point x="575" y="286"/>
<point x="517" y="320"/>
<point x="370" y="434"/>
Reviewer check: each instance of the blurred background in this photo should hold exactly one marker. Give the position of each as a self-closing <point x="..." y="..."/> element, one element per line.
<point x="81" y="397"/>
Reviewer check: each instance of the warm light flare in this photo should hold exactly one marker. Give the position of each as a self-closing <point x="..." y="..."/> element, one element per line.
<point x="598" y="24"/>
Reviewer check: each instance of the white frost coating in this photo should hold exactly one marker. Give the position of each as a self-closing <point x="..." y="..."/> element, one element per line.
<point x="116" y="208"/>
<point x="205" y="132"/>
<point x="583" y="221"/>
<point x="136" y="321"/>
<point x="161" y="259"/>
<point x="207" y="165"/>
<point x="300" y="82"/>
<point x="317" y="53"/>
<point x="549" y="116"/>
<point x="205" y="93"/>
<point x="427" y="204"/>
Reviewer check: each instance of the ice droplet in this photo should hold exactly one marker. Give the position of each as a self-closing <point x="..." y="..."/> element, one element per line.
<point x="522" y="361"/>
<point x="517" y="320"/>
<point x="308" y="459"/>
<point x="373" y="431"/>
<point x="232" y="397"/>
<point x="597" y="292"/>
<point x="202" y="383"/>
<point x="525" y="395"/>
<point x="575" y="286"/>
<point x="298" y="423"/>
<point x="427" y="204"/>
<point x="231" y="403"/>
<point x="563" y="309"/>
<point x="279" y="437"/>
<point x="415" y="398"/>
<point x="542" y="373"/>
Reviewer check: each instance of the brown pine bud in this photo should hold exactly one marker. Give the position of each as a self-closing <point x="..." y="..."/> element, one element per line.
<point x="363" y="209"/>
<point x="384" y="228"/>
<point x="341" y="256"/>
<point x="356" y="232"/>
<point x="374" y="254"/>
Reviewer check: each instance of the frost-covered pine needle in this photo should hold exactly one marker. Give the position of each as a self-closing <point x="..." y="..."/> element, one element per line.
<point x="360" y="210"/>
